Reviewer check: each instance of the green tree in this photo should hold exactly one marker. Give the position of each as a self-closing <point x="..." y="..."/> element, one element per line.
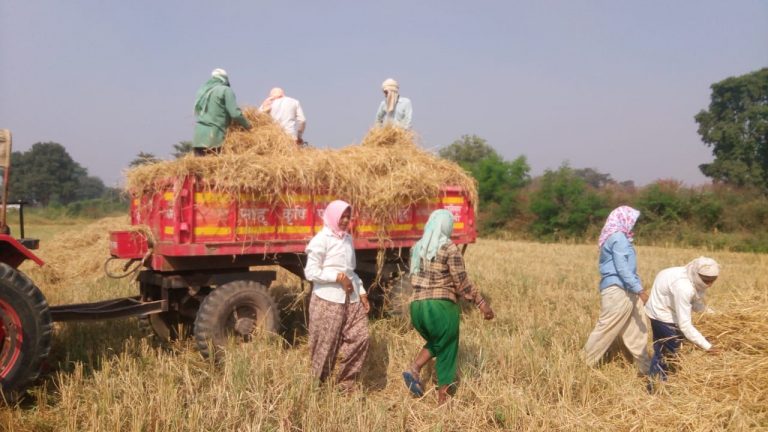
<point x="736" y="127"/>
<point x="499" y="181"/>
<point x="46" y="173"/>
<point x="564" y="205"/>
<point x="468" y="151"/>
<point x="182" y="149"/>
<point x="143" y="158"/>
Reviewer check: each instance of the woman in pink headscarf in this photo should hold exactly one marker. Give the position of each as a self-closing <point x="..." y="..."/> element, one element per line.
<point x="338" y="309"/>
<point x="621" y="293"/>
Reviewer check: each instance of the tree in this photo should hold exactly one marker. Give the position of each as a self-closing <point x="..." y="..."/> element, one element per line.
<point x="44" y="174"/>
<point x="736" y="127"/>
<point x="499" y="181"/>
<point x="593" y="177"/>
<point x="181" y="149"/>
<point x="143" y="159"/>
<point x="468" y="151"/>
<point x="565" y="205"/>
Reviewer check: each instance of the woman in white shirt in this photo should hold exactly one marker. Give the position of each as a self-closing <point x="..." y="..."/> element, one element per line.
<point x="338" y="309"/>
<point x="676" y="292"/>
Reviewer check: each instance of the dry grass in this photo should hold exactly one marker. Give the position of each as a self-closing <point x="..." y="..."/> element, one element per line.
<point x="521" y="371"/>
<point x="387" y="170"/>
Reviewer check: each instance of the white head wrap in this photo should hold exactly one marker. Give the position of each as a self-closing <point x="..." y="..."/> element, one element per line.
<point x="702" y="266"/>
<point x="393" y="89"/>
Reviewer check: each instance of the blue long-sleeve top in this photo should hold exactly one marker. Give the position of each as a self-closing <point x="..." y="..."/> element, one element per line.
<point x="618" y="264"/>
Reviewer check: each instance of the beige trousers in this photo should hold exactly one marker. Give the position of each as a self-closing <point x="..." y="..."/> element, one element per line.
<point x="621" y="315"/>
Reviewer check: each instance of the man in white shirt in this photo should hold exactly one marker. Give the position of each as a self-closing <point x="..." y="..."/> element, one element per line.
<point x="676" y="292"/>
<point x="287" y="112"/>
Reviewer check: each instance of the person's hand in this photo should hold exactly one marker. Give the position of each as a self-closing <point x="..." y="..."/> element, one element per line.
<point x="345" y="282"/>
<point x="366" y="304"/>
<point x="486" y="310"/>
<point x="643" y="296"/>
<point x="299" y="142"/>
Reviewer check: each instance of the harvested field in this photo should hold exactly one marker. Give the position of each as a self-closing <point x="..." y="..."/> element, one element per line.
<point x="386" y="170"/>
<point x="521" y="371"/>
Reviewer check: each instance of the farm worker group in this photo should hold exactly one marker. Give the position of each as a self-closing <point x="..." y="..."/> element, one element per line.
<point x="625" y="305"/>
<point x="216" y="109"/>
<point x="338" y="324"/>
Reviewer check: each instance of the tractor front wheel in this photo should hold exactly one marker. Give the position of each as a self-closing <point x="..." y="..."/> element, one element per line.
<point x="25" y="332"/>
<point x="236" y="309"/>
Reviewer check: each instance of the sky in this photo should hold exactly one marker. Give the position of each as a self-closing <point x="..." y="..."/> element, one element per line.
<point x="609" y="85"/>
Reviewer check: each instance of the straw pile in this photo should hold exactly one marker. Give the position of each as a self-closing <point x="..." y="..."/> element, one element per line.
<point x="386" y="170"/>
<point x="738" y="375"/>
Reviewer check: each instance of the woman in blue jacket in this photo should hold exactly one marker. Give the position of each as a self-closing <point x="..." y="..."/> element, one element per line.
<point x="621" y="293"/>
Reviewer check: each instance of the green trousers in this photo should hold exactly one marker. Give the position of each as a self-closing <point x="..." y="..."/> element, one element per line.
<point x="437" y="321"/>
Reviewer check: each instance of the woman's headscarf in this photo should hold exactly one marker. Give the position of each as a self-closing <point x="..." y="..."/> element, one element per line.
<point x="701" y="266"/>
<point x="274" y="94"/>
<point x="218" y="77"/>
<point x="392" y="88"/>
<point x="621" y="219"/>
<point x="332" y="216"/>
<point x="437" y="232"/>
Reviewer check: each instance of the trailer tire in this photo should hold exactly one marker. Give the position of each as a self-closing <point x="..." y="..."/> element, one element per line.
<point x="234" y="309"/>
<point x="25" y="332"/>
<point x="166" y="327"/>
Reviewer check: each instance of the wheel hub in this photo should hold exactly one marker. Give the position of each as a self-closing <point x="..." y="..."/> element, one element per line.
<point x="244" y="326"/>
<point x="11" y="338"/>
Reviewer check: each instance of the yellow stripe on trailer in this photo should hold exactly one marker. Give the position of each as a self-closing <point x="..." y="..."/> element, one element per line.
<point x="212" y="231"/>
<point x="458" y="225"/>
<point x="368" y="228"/>
<point x="168" y="196"/>
<point x="255" y="230"/>
<point x="168" y="230"/>
<point x="212" y="198"/>
<point x="296" y="199"/>
<point x="288" y="229"/>
<point x="453" y="200"/>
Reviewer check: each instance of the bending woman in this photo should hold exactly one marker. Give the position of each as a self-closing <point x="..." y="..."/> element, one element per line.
<point x="621" y="293"/>
<point x="338" y="309"/>
<point x="439" y="280"/>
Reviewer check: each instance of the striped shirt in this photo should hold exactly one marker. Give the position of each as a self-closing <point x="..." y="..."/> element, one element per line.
<point x="445" y="278"/>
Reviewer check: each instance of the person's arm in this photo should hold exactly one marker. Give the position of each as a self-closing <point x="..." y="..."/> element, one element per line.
<point x="301" y="121"/>
<point x="313" y="270"/>
<point x="381" y="113"/>
<point x="234" y="111"/>
<point x="683" y="298"/>
<point x="407" y="115"/>
<point x="621" y="250"/>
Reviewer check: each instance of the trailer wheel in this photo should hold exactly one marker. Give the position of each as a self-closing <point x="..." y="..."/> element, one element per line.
<point x="25" y="332"/>
<point x="234" y="309"/>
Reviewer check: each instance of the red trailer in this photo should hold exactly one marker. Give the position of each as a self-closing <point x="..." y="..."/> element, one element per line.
<point x="202" y="255"/>
<point x="204" y="252"/>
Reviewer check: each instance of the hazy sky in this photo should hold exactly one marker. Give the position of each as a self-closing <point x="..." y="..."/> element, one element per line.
<point x="602" y="84"/>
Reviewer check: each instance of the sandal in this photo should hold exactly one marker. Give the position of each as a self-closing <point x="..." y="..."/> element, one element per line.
<point x="413" y="384"/>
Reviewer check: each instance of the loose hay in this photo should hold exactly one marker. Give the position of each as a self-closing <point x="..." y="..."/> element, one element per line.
<point x="387" y="170"/>
<point x="737" y="377"/>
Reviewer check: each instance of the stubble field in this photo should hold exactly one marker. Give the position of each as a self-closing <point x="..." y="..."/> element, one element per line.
<point x="521" y="371"/>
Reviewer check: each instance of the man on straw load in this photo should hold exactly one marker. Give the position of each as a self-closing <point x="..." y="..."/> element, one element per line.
<point x="621" y="293"/>
<point x="215" y="109"/>
<point x="394" y="109"/>
<point x="287" y="112"/>
<point x="676" y="291"/>
<point x="338" y="308"/>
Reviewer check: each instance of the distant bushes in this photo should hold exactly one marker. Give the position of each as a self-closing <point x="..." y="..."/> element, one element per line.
<point x="562" y="205"/>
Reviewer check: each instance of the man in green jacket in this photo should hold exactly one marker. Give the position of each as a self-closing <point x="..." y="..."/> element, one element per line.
<point x="215" y="108"/>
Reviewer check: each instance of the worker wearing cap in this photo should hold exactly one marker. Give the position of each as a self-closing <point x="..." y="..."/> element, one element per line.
<point x="394" y="109"/>
<point x="287" y="112"/>
<point x="676" y="292"/>
<point x="215" y="108"/>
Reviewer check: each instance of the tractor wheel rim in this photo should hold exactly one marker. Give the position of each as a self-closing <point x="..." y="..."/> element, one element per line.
<point x="11" y="338"/>
<point x="243" y="321"/>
